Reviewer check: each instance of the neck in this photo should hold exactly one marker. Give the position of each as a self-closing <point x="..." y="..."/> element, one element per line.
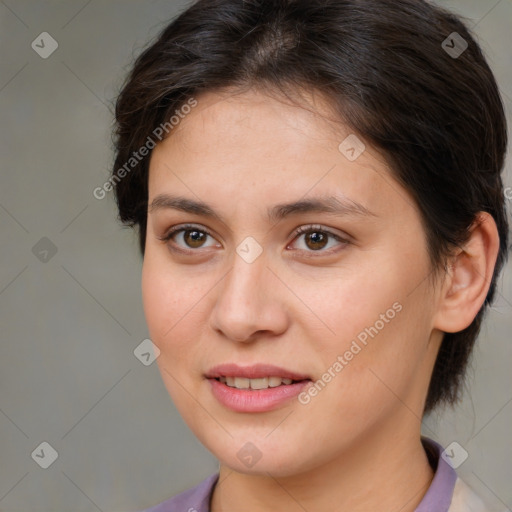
<point x="386" y="471"/>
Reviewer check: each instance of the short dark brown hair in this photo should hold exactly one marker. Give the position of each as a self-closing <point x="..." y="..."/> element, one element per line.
<point x="386" y="68"/>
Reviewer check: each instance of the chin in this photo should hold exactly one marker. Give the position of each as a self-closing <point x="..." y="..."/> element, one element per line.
<point x="260" y="456"/>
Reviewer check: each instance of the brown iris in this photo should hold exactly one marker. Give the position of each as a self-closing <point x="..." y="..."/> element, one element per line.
<point x="317" y="239"/>
<point x="195" y="239"/>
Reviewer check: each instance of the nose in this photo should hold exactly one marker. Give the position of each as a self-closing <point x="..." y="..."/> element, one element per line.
<point x="250" y="302"/>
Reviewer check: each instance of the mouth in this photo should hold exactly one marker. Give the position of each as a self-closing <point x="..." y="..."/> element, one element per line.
<point x="260" y="383"/>
<point x="257" y="388"/>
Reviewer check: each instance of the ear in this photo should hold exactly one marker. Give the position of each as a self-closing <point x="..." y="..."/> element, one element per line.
<point x="469" y="276"/>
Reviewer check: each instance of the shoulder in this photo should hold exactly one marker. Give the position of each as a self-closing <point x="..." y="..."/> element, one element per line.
<point x="464" y="499"/>
<point x="196" y="499"/>
<point x="447" y="491"/>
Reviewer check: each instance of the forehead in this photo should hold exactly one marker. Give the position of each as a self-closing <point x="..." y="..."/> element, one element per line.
<point x="254" y="122"/>
<point x="257" y="147"/>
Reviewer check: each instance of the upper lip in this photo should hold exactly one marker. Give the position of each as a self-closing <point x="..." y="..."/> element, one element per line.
<point x="255" y="371"/>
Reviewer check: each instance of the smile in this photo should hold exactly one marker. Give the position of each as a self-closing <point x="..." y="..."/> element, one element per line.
<point x="256" y="388"/>
<point x="262" y="383"/>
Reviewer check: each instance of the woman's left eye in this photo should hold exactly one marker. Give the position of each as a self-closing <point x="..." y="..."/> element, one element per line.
<point x="316" y="238"/>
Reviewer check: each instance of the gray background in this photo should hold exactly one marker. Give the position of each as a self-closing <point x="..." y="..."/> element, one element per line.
<point x="69" y="325"/>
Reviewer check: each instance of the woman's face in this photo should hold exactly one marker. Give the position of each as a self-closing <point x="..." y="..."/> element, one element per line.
<point x="348" y="304"/>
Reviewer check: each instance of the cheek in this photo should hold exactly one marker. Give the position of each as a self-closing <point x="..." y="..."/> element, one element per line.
<point x="378" y="336"/>
<point x="168" y="301"/>
<point x="168" y="296"/>
<point x="350" y="302"/>
<point x="176" y="302"/>
<point x="157" y="298"/>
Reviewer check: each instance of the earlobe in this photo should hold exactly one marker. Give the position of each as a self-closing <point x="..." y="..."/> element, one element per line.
<point x="469" y="276"/>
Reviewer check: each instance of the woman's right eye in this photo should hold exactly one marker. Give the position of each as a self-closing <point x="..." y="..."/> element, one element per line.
<point x="190" y="236"/>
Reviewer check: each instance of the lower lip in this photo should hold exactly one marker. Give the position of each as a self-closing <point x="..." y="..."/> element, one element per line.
<point x="255" y="400"/>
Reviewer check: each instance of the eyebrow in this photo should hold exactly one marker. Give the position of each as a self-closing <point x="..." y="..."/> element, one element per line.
<point x="330" y="204"/>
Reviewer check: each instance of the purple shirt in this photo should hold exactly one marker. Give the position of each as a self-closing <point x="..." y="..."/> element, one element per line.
<point x="438" y="498"/>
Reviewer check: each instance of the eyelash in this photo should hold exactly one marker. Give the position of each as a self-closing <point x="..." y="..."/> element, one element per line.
<point x="299" y="231"/>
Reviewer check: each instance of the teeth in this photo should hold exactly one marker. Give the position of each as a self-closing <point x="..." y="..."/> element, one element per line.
<point x="273" y="382"/>
<point x="242" y="383"/>
<point x="262" y="383"/>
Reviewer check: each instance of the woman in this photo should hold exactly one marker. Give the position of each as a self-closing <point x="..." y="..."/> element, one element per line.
<point x="317" y="190"/>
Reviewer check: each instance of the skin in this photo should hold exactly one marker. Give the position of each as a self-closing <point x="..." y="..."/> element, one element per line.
<point x="356" y="445"/>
